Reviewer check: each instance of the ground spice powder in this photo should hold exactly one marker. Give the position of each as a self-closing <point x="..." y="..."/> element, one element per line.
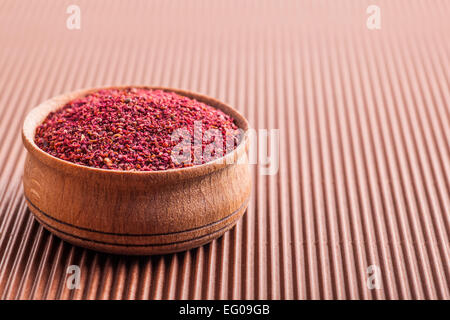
<point x="129" y="129"/>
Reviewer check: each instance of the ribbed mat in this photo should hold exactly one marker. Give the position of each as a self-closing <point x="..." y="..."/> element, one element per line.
<point x="364" y="119"/>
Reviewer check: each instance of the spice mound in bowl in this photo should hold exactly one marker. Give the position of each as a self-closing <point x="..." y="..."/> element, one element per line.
<point x="122" y="186"/>
<point x="137" y="129"/>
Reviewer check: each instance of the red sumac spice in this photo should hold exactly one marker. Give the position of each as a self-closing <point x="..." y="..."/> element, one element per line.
<point x="130" y="129"/>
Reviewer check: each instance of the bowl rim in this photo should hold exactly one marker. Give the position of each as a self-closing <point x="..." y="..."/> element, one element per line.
<point x="38" y="114"/>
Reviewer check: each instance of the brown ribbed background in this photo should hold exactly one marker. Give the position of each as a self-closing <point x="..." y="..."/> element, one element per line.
<point x="364" y="119"/>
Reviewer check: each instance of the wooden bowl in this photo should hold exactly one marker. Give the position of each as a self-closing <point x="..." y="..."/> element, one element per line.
<point x="132" y="212"/>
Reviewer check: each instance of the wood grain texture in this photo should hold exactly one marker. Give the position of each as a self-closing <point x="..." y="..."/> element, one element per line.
<point x="132" y="212"/>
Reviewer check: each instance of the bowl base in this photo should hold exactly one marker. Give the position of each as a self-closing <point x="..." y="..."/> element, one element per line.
<point x="209" y="233"/>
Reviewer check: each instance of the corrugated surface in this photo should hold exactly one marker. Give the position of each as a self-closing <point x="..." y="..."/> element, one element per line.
<point x="364" y="115"/>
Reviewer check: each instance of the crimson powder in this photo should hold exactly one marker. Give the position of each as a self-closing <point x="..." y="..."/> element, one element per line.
<point x="129" y="129"/>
